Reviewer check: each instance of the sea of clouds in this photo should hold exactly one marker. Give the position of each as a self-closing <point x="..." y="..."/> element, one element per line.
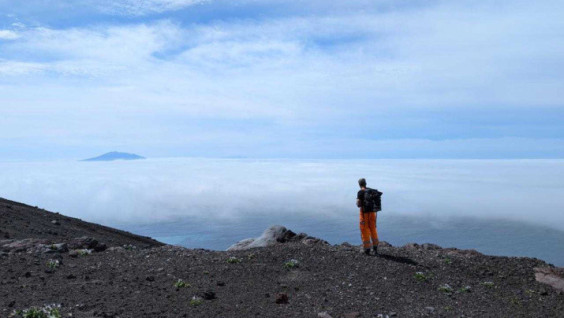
<point x="165" y="190"/>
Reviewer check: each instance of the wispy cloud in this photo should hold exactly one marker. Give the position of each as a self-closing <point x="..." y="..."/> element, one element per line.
<point x="8" y="35"/>
<point x="142" y="7"/>
<point x="387" y="71"/>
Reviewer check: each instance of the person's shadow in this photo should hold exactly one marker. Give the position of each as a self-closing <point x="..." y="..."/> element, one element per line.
<point x="398" y="259"/>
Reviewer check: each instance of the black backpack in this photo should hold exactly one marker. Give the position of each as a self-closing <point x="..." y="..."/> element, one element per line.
<point x="372" y="200"/>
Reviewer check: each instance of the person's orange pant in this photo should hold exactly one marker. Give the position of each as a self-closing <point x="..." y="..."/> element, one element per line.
<point x="368" y="229"/>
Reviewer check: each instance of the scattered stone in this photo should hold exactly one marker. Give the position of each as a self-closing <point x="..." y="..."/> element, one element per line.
<point x="354" y="314"/>
<point x="83" y="242"/>
<point x="54" y="248"/>
<point x="71" y="276"/>
<point x="55" y="222"/>
<point x="430" y="309"/>
<point x="208" y="295"/>
<point x="100" y="247"/>
<point x="150" y="278"/>
<point x="393" y="314"/>
<point x="27" y="274"/>
<point x="411" y="246"/>
<point x="430" y="247"/>
<point x="543" y="291"/>
<point x="220" y="283"/>
<point x="281" y="298"/>
<point x="12" y="303"/>
<point x="324" y="314"/>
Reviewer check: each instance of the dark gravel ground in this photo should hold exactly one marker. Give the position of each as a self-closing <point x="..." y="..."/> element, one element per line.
<point x="21" y="221"/>
<point x="338" y="280"/>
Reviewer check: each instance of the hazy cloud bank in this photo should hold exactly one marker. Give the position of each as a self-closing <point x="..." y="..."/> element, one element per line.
<point x="193" y="189"/>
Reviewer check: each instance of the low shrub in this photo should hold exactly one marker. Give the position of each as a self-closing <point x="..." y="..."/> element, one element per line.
<point x="181" y="284"/>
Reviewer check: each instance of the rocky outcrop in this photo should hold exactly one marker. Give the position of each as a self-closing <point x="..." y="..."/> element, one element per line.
<point x="46" y="246"/>
<point x="552" y="276"/>
<point x="276" y="234"/>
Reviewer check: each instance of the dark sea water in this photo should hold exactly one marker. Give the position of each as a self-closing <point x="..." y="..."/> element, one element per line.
<point x="492" y="237"/>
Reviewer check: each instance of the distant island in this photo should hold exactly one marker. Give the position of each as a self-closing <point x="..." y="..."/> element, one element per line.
<point x="114" y="155"/>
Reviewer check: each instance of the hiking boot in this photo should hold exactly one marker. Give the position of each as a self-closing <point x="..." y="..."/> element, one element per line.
<point x="367" y="251"/>
<point x="375" y="248"/>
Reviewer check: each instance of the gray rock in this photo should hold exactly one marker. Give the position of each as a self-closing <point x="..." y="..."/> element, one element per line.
<point x="83" y="242"/>
<point x="275" y="234"/>
<point x="384" y="244"/>
<point x="271" y="236"/>
<point x="55" y="222"/>
<point x="282" y="298"/>
<point x="208" y="295"/>
<point x="430" y="309"/>
<point x="411" y="246"/>
<point x="324" y="314"/>
<point x="23" y="245"/>
<point x="55" y="248"/>
<point x="431" y="247"/>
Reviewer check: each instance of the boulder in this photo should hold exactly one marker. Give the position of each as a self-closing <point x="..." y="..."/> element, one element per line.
<point x="83" y="242"/>
<point x="23" y="245"/>
<point x="431" y="247"/>
<point x="271" y="236"/>
<point x="276" y="234"/>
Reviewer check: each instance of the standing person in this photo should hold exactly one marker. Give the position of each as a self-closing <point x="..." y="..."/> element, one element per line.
<point x="368" y="200"/>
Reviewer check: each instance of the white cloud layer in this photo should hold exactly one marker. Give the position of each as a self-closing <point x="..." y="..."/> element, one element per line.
<point x="190" y="189"/>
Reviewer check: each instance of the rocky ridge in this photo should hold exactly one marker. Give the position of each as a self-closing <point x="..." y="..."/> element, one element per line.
<point x="294" y="275"/>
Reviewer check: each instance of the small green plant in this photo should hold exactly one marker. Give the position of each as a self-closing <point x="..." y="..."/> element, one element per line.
<point x="448" y="308"/>
<point x="233" y="260"/>
<point x="84" y="252"/>
<point x="129" y="247"/>
<point x="445" y="288"/>
<point x="206" y="273"/>
<point x="448" y="261"/>
<point x="53" y="264"/>
<point x="181" y="284"/>
<point x="251" y="256"/>
<point x="420" y="276"/>
<point x="465" y="289"/>
<point x="488" y="284"/>
<point x="515" y="301"/>
<point x="196" y="301"/>
<point x="53" y="247"/>
<point x="530" y="292"/>
<point x="48" y="311"/>
<point x="291" y="264"/>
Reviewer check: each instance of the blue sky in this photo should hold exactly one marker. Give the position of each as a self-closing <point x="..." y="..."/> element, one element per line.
<point x="293" y="79"/>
